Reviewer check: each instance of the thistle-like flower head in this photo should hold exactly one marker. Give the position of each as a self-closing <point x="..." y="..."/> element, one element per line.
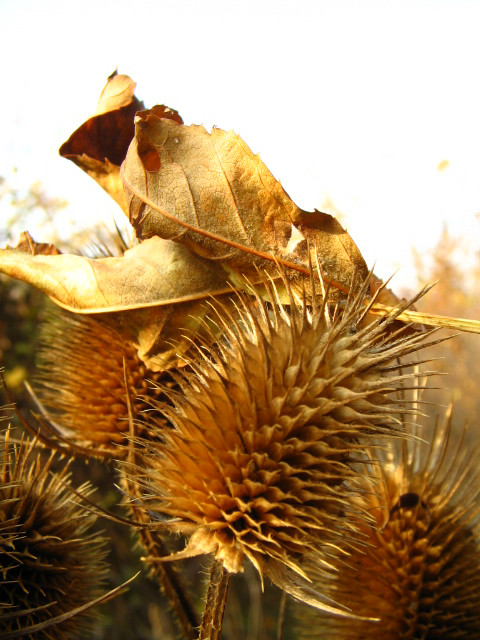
<point x="91" y="380"/>
<point x="267" y="427"/>
<point x="419" y="568"/>
<point x="51" y="561"/>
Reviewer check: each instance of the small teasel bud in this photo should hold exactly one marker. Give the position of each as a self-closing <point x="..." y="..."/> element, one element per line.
<point x="267" y="428"/>
<point x="418" y="569"/>
<point x="91" y="381"/>
<point x="51" y="560"/>
<point x="98" y="393"/>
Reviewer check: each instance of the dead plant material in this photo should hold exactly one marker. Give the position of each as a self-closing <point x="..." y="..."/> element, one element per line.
<point x="418" y="567"/>
<point x="268" y="428"/>
<point x="51" y="562"/>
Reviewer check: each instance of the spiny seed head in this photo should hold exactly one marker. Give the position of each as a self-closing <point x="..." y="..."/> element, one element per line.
<point x="419" y="568"/>
<point x="266" y="428"/>
<point x="51" y="563"/>
<point x="91" y="380"/>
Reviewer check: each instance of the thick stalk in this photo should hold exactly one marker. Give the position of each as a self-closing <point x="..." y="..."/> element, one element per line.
<point x="168" y="578"/>
<point x="214" y="602"/>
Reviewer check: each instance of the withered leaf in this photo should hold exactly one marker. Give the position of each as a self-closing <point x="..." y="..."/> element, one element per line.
<point x="165" y="333"/>
<point x="153" y="273"/>
<point x="100" y="145"/>
<point x="117" y="93"/>
<point x="155" y="294"/>
<point x="27" y="243"/>
<point x="211" y="193"/>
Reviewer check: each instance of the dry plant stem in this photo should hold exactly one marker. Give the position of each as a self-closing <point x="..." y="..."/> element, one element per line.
<point x="167" y="576"/>
<point x="165" y="573"/>
<point x="281" y="616"/>
<point x="429" y="319"/>
<point x="215" y="602"/>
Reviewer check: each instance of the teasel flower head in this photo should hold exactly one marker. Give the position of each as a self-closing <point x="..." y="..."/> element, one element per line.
<point x="419" y="568"/>
<point x="91" y="383"/>
<point x="52" y="563"/>
<point x="267" y="428"/>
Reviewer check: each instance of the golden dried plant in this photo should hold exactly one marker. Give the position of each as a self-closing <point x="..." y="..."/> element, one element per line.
<point x="93" y="389"/>
<point x="267" y="428"/>
<point x="418" y="569"/>
<point x="52" y="562"/>
<point x="92" y="383"/>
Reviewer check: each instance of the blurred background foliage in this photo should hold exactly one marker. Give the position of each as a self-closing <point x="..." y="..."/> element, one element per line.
<point x="142" y="613"/>
<point x="32" y="205"/>
<point x="456" y="271"/>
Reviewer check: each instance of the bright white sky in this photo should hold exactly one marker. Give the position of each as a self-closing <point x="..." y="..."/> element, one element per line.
<point x="357" y="102"/>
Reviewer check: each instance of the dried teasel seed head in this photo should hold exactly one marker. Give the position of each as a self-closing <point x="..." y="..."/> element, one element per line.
<point x="259" y="463"/>
<point x="419" y="568"/>
<point x="91" y="384"/>
<point x="51" y="561"/>
<point x="91" y="381"/>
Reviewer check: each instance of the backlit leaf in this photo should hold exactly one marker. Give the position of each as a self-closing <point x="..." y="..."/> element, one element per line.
<point x="100" y="145"/>
<point x="212" y="194"/>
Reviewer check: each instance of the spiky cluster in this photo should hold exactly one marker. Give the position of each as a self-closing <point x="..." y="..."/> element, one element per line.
<point x="259" y="464"/>
<point x="51" y="563"/>
<point x="91" y="380"/>
<point x="419" y="570"/>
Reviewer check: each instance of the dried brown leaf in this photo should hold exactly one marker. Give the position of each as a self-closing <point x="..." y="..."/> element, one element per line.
<point x="117" y="93"/>
<point x="28" y="244"/>
<point x="155" y="272"/>
<point x="211" y="193"/>
<point x="100" y="145"/>
<point x="155" y="293"/>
